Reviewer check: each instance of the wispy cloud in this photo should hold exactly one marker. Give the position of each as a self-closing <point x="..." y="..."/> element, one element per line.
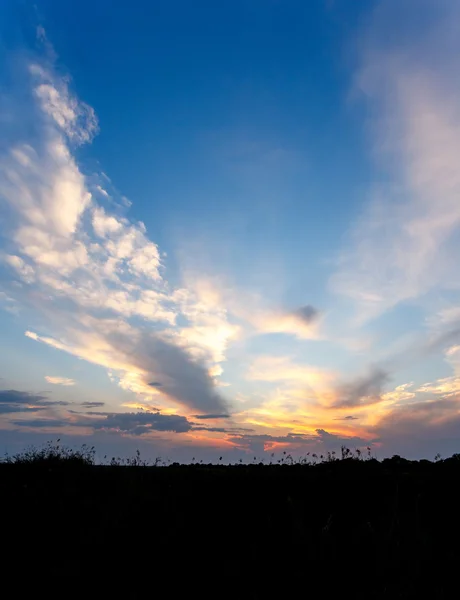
<point x="402" y="246"/>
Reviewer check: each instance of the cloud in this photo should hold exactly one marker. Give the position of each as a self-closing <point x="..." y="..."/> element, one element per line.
<point x="209" y="329"/>
<point x="25" y="271"/>
<point x="144" y="422"/>
<point x="404" y="243"/>
<point x="307" y="314"/>
<point x="8" y="304"/>
<point x="212" y="416"/>
<point x="401" y="393"/>
<point x="211" y="429"/>
<point x="59" y="380"/>
<point x="132" y="423"/>
<point x="183" y="378"/>
<point x="421" y="429"/>
<point x="7" y="409"/>
<point x="18" y="397"/>
<point x="362" y="391"/>
<point x="146" y="357"/>
<point x="446" y="386"/>
<point x="320" y="440"/>
<point x="12" y="401"/>
<point x="140" y="423"/>
<point x="40" y="423"/>
<point x="102" y="191"/>
<point x="94" y="276"/>
<point x="75" y="118"/>
<point x="298" y="323"/>
<point x="260" y="317"/>
<point x="302" y="322"/>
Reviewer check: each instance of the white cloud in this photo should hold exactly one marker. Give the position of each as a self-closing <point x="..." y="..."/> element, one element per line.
<point x="75" y="118"/>
<point x="401" y="393"/>
<point x="94" y="274"/>
<point x="102" y="191"/>
<point x="208" y="329"/>
<point x="25" y="271"/>
<point x="446" y="386"/>
<point x="65" y="381"/>
<point x="46" y="188"/>
<point x="105" y="225"/>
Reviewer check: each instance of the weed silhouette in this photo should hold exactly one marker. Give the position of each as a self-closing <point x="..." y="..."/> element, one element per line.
<point x="346" y="524"/>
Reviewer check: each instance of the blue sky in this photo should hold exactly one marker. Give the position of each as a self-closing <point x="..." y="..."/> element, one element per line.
<point x="231" y="227"/>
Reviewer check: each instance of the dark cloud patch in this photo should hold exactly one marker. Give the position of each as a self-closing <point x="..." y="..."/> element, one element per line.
<point x="257" y="440"/>
<point x="92" y="404"/>
<point x="241" y="429"/>
<point x="18" y="397"/>
<point x="321" y="441"/>
<point x="15" y="401"/>
<point x="6" y="409"/>
<point x="430" y="413"/>
<point x="363" y="390"/>
<point x="138" y="423"/>
<point x="183" y="378"/>
<point x="421" y="429"/>
<point x="215" y="429"/>
<point x="155" y="384"/>
<point x="212" y="416"/>
<point x="307" y="314"/>
<point x="141" y="430"/>
<point x="40" y="423"/>
<point x="334" y="440"/>
<point x="143" y="422"/>
<point x="57" y="403"/>
<point x="439" y="342"/>
<point x="347" y="418"/>
<point x="88" y="412"/>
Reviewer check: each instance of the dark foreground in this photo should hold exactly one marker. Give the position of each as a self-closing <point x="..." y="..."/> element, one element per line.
<point x="345" y="529"/>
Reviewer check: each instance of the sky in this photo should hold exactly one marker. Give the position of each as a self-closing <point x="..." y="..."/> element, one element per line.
<point x="230" y="230"/>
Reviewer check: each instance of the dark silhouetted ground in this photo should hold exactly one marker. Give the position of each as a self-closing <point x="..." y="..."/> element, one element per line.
<point x="342" y="529"/>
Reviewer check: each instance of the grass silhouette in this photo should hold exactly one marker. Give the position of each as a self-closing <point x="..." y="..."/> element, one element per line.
<point x="335" y="525"/>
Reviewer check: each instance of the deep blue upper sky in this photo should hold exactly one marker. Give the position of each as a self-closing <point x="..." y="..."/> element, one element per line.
<point x="237" y="109"/>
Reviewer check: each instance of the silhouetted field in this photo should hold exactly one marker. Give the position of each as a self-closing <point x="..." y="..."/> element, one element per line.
<point x="348" y="528"/>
